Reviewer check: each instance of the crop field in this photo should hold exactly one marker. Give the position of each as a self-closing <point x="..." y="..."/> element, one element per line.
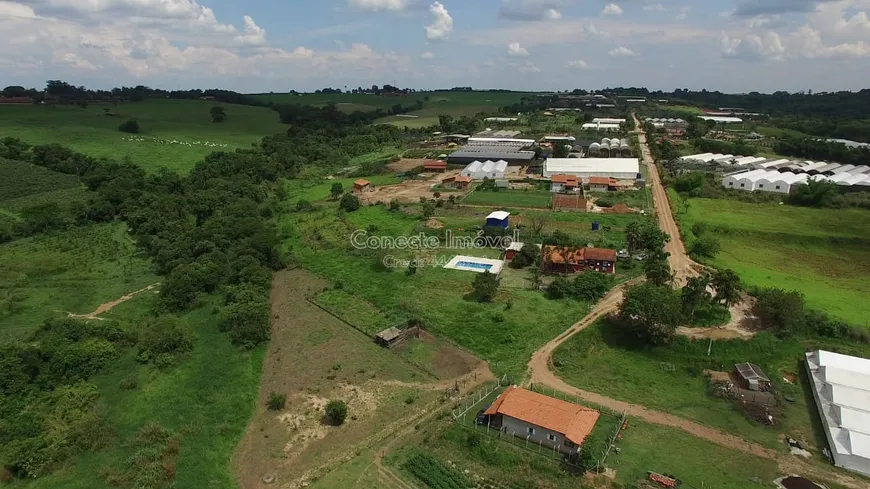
<point x="72" y="271"/>
<point x="174" y="133"/>
<point x="510" y="198"/>
<point x="505" y="332"/>
<point x="823" y="253"/>
<point x="671" y="379"/>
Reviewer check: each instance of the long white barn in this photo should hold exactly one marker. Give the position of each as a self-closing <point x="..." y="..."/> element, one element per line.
<point x="841" y="389"/>
<point x="619" y="168"/>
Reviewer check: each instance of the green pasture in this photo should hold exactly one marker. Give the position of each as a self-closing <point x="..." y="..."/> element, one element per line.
<point x="70" y="271"/>
<point x="823" y="253"/>
<point x="175" y="133"/>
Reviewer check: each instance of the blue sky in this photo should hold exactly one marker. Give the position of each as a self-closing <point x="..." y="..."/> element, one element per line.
<point x="267" y="45"/>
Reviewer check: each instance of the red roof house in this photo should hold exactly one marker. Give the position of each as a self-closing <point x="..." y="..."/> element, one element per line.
<point x="434" y="166"/>
<point x="562" y="259"/>
<point x="541" y="419"/>
<point x="362" y="186"/>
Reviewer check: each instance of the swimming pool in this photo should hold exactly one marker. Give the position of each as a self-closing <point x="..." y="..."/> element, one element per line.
<point x="475" y="264"/>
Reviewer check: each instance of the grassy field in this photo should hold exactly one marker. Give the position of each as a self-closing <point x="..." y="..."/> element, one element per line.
<point x="174" y="133"/>
<point x="25" y="185"/>
<point x="504" y="332"/>
<point x="72" y="271"/>
<point x="207" y="407"/>
<point x="823" y="253"/>
<point x="510" y="198"/>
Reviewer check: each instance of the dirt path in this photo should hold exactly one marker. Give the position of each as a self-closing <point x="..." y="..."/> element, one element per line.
<point x="108" y="306"/>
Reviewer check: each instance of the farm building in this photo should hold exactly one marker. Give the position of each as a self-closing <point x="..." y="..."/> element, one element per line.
<point x="619" y="168"/>
<point x="498" y="219"/>
<point x="564" y="183"/>
<point x="361" y="185"/>
<point x="490" y="169"/>
<point x="841" y="390"/>
<point x="542" y="420"/>
<point x="456" y="138"/>
<point x="434" y="166"/>
<point x="601" y="184"/>
<point x="491" y="140"/>
<point x="750" y="377"/>
<point x="458" y="182"/>
<point x="601" y="126"/>
<point x="500" y="119"/>
<point x="764" y="180"/>
<point x="560" y="259"/>
<point x="559" y="139"/>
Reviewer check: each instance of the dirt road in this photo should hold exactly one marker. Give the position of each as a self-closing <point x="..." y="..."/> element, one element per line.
<point x="108" y="306"/>
<point x="683" y="266"/>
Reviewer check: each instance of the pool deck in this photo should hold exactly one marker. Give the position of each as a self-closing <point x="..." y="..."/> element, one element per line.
<point x="454" y="264"/>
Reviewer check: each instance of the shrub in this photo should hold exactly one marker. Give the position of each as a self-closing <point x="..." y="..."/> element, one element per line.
<point x="131" y="126"/>
<point x="163" y="338"/>
<point x="349" y="203"/>
<point x="706" y="246"/>
<point x="336" y="412"/>
<point x="276" y="402"/>
<point x="485" y="286"/>
<point x="303" y="205"/>
<point x="129" y="383"/>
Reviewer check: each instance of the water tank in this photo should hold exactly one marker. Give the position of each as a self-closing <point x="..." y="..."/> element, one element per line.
<point x="596" y="225"/>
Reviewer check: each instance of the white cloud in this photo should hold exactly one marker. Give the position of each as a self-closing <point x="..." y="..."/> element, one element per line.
<point x="254" y="35"/>
<point x="427" y="55"/>
<point x="612" y="9"/>
<point x="526" y="67"/>
<point x="654" y="7"/>
<point x="378" y="5"/>
<point x="514" y="49"/>
<point x="621" y="51"/>
<point x="531" y="10"/>
<point x="684" y="13"/>
<point x="442" y="23"/>
<point x="552" y="14"/>
<point x="579" y="64"/>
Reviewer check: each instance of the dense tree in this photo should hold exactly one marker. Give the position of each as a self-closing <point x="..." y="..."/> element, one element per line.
<point x="706" y="246"/>
<point x="528" y="255"/>
<point x="162" y="339"/>
<point x="218" y="114"/>
<point x="650" y="312"/>
<point x="645" y="236"/>
<point x="657" y="269"/>
<point x="782" y="310"/>
<point x="485" y="286"/>
<point x="816" y="193"/>
<point x="131" y="126"/>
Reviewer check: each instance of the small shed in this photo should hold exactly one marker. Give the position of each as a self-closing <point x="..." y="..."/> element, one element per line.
<point x="511" y="251"/>
<point x="362" y="186"/>
<point x="391" y="337"/>
<point x="498" y="219"/>
<point x="750" y="376"/>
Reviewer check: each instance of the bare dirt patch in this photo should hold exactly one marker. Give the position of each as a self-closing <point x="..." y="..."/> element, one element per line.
<point x="433" y="223"/>
<point x="408" y="191"/>
<point x="406" y="164"/>
<point x="108" y="306"/>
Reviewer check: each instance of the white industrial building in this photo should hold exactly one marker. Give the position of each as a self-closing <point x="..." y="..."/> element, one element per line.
<point x="605" y="120"/>
<point x="601" y="126"/>
<point x="490" y="169"/>
<point x="841" y="389"/>
<point x="721" y="119"/>
<point x="619" y="168"/>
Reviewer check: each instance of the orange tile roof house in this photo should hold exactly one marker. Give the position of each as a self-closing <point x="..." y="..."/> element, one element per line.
<point x="542" y="420"/>
<point x="434" y="166"/>
<point x="602" y="184"/>
<point x="564" y="183"/>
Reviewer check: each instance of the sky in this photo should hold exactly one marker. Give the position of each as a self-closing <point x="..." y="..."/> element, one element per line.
<point x="281" y="45"/>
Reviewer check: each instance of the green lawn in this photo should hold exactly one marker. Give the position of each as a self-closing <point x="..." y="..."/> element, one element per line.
<point x="174" y="133"/>
<point x="823" y="253"/>
<point x="506" y="198"/>
<point x="71" y="271"/>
